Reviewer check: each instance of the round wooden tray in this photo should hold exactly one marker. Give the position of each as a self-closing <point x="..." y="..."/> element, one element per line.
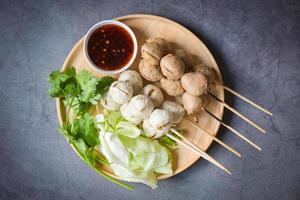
<point x="146" y="26"/>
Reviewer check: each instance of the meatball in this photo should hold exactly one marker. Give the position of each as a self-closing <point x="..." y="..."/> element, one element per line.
<point x="121" y="91"/>
<point x="108" y="103"/>
<point x="154" y="93"/>
<point x="194" y="83"/>
<point x="209" y="72"/>
<point x="175" y="109"/>
<point x="159" y="122"/>
<point x="152" y="50"/>
<point x="172" y="87"/>
<point x="166" y="46"/>
<point x="172" y="67"/>
<point x="130" y="114"/>
<point x="134" y="77"/>
<point x="192" y="104"/>
<point x="150" y="70"/>
<point x="138" y="108"/>
<point x="185" y="57"/>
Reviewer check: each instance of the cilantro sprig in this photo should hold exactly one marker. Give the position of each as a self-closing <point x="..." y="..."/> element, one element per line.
<point x="80" y="92"/>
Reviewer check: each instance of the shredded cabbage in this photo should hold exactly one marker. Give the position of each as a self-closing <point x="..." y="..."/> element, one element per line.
<point x="133" y="157"/>
<point x="128" y="129"/>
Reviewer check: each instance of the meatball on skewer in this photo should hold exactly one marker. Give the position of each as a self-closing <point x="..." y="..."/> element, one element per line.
<point x="134" y="78"/>
<point x="211" y="75"/>
<point x="175" y="109"/>
<point x="154" y="93"/>
<point x="194" y="105"/>
<point x="159" y="122"/>
<point x="121" y="91"/>
<point x="138" y="108"/>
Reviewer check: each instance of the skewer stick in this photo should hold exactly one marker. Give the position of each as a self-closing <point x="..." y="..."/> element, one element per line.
<point x="246" y="99"/>
<point x="198" y="151"/>
<point x="237" y="113"/>
<point x="219" y="141"/>
<point x="232" y="129"/>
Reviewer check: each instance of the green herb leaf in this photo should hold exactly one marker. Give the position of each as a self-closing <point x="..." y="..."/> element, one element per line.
<point x="104" y="84"/>
<point x="56" y="79"/>
<point x="63" y="84"/>
<point x="80" y="146"/>
<point x="88" y="85"/>
<point x="70" y="72"/>
<point x="85" y="129"/>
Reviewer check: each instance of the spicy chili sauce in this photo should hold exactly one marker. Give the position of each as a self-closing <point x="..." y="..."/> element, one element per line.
<point x="110" y="47"/>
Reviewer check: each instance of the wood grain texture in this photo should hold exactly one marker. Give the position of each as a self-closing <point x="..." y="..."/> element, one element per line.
<point x="146" y="26"/>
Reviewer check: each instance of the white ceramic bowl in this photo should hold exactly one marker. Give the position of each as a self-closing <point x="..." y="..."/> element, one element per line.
<point x="91" y="31"/>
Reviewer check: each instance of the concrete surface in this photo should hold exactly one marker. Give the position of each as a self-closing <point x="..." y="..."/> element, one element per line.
<point x="257" y="46"/>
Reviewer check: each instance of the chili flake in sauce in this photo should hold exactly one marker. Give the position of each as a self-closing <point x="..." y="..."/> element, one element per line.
<point x="110" y="47"/>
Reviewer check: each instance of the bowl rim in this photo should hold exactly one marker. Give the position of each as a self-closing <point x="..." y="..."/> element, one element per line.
<point x="91" y="31"/>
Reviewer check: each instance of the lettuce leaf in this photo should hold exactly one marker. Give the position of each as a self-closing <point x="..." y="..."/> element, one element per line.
<point x="128" y="129"/>
<point x="132" y="156"/>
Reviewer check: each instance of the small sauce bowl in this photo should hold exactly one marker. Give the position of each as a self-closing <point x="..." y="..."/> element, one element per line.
<point x="110" y="47"/>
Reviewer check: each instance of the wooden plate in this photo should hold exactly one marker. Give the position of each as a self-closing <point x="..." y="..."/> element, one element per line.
<point x="146" y="26"/>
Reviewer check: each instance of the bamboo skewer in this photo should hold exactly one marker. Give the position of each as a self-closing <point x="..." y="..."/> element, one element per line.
<point x="232" y="129"/>
<point x="197" y="150"/>
<point x="237" y="113"/>
<point x="219" y="141"/>
<point x="246" y="99"/>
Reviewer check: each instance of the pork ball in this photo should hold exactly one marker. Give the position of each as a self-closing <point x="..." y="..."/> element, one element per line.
<point x="121" y="91"/>
<point x="108" y="103"/>
<point x="185" y="57"/>
<point x="138" y="108"/>
<point x="172" y="67"/>
<point x="134" y="77"/>
<point x="142" y="104"/>
<point x="154" y="93"/>
<point x="209" y="72"/>
<point x="193" y="104"/>
<point x="150" y="69"/>
<point x="175" y="109"/>
<point x="162" y="42"/>
<point x="194" y="83"/>
<point x="152" y="50"/>
<point x="159" y="122"/>
<point x="130" y="114"/>
<point x="172" y="87"/>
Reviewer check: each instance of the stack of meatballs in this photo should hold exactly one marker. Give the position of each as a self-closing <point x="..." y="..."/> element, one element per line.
<point x="140" y="105"/>
<point x="146" y="105"/>
<point x="176" y="73"/>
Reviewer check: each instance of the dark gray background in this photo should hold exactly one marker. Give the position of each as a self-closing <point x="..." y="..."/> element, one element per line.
<point x="257" y="47"/>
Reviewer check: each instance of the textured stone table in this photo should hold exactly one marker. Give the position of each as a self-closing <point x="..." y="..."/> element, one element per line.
<point x="257" y="47"/>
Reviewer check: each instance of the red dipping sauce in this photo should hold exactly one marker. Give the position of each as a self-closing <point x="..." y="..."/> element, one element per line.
<point x="110" y="47"/>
